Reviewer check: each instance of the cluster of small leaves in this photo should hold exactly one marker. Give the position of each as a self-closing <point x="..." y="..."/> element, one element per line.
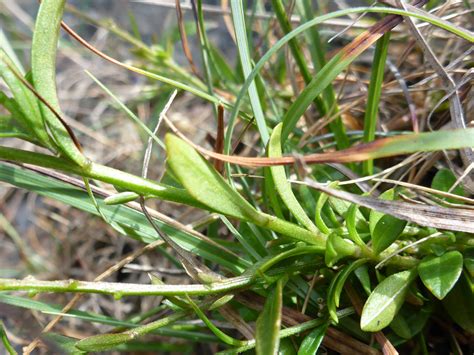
<point x="309" y="256"/>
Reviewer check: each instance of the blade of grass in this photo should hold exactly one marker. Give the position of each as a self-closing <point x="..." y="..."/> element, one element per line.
<point x="131" y="220"/>
<point x="6" y="342"/>
<point x="323" y="106"/>
<point x="373" y="96"/>
<point x="317" y="20"/>
<point x="242" y="45"/>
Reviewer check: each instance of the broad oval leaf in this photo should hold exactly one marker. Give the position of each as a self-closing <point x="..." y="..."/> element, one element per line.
<point x="385" y="301"/>
<point x="386" y="231"/>
<point x="313" y="340"/>
<point x="440" y="274"/>
<point x="282" y="184"/>
<point x="267" y="338"/>
<point x="204" y="183"/>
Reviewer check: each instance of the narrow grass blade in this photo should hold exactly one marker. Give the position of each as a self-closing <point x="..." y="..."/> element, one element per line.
<point x="315" y="21"/>
<point x="373" y="96"/>
<point x="242" y="45"/>
<point x="336" y="126"/>
<point x="6" y="342"/>
<point x="131" y="220"/>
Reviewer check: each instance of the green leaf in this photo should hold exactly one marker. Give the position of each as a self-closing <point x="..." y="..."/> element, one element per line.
<point x="386" y="231"/>
<point x="204" y="183"/>
<point x="373" y="96"/>
<point x="313" y="340"/>
<point x="440" y="274"/>
<point x="410" y="321"/>
<point x="130" y="220"/>
<point x="460" y="303"/>
<point x="269" y="322"/>
<point x="6" y="342"/>
<point x="29" y="114"/>
<point x="219" y="333"/>
<point x="385" y="301"/>
<point x="375" y="216"/>
<point x="351" y="225"/>
<point x="244" y="54"/>
<point x="362" y="274"/>
<point x="337" y="248"/>
<point x="282" y="184"/>
<point x="43" y="68"/>
<point x="335" y="289"/>
<point x="444" y="180"/>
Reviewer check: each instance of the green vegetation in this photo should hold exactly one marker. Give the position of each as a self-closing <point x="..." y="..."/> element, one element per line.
<point x="314" y="241"/>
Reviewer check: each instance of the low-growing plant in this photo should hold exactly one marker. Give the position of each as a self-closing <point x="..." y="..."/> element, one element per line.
<point x="310" y="243"/>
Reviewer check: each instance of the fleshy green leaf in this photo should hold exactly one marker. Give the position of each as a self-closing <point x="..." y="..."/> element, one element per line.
<point x="43" y="68"/>
<point x="335" y="289"/>
<point x="313" y="340"/>
<point x="203" y="182"/>
<point x="282" y="184"/>
<point x="269" y="322"/>
<point x="386" y="231"/>
<point x="385" y="301"/>
<point x="375" y="216"/>
<point x="440" y="274"/>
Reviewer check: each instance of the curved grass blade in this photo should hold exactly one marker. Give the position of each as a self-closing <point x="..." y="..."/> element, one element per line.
<point x="282" y="184"/>
<point x="6" y="342"/>
<point x="219" y="333"/>
<point x="43" y="67"/>
<point x="381" y="148"/>
<point x="267" y="338"/>
<point x="385" y="301"/>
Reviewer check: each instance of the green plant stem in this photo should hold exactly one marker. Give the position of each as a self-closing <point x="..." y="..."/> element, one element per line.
<point x="123" y="289"/>
<point x="103" y="173"/>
